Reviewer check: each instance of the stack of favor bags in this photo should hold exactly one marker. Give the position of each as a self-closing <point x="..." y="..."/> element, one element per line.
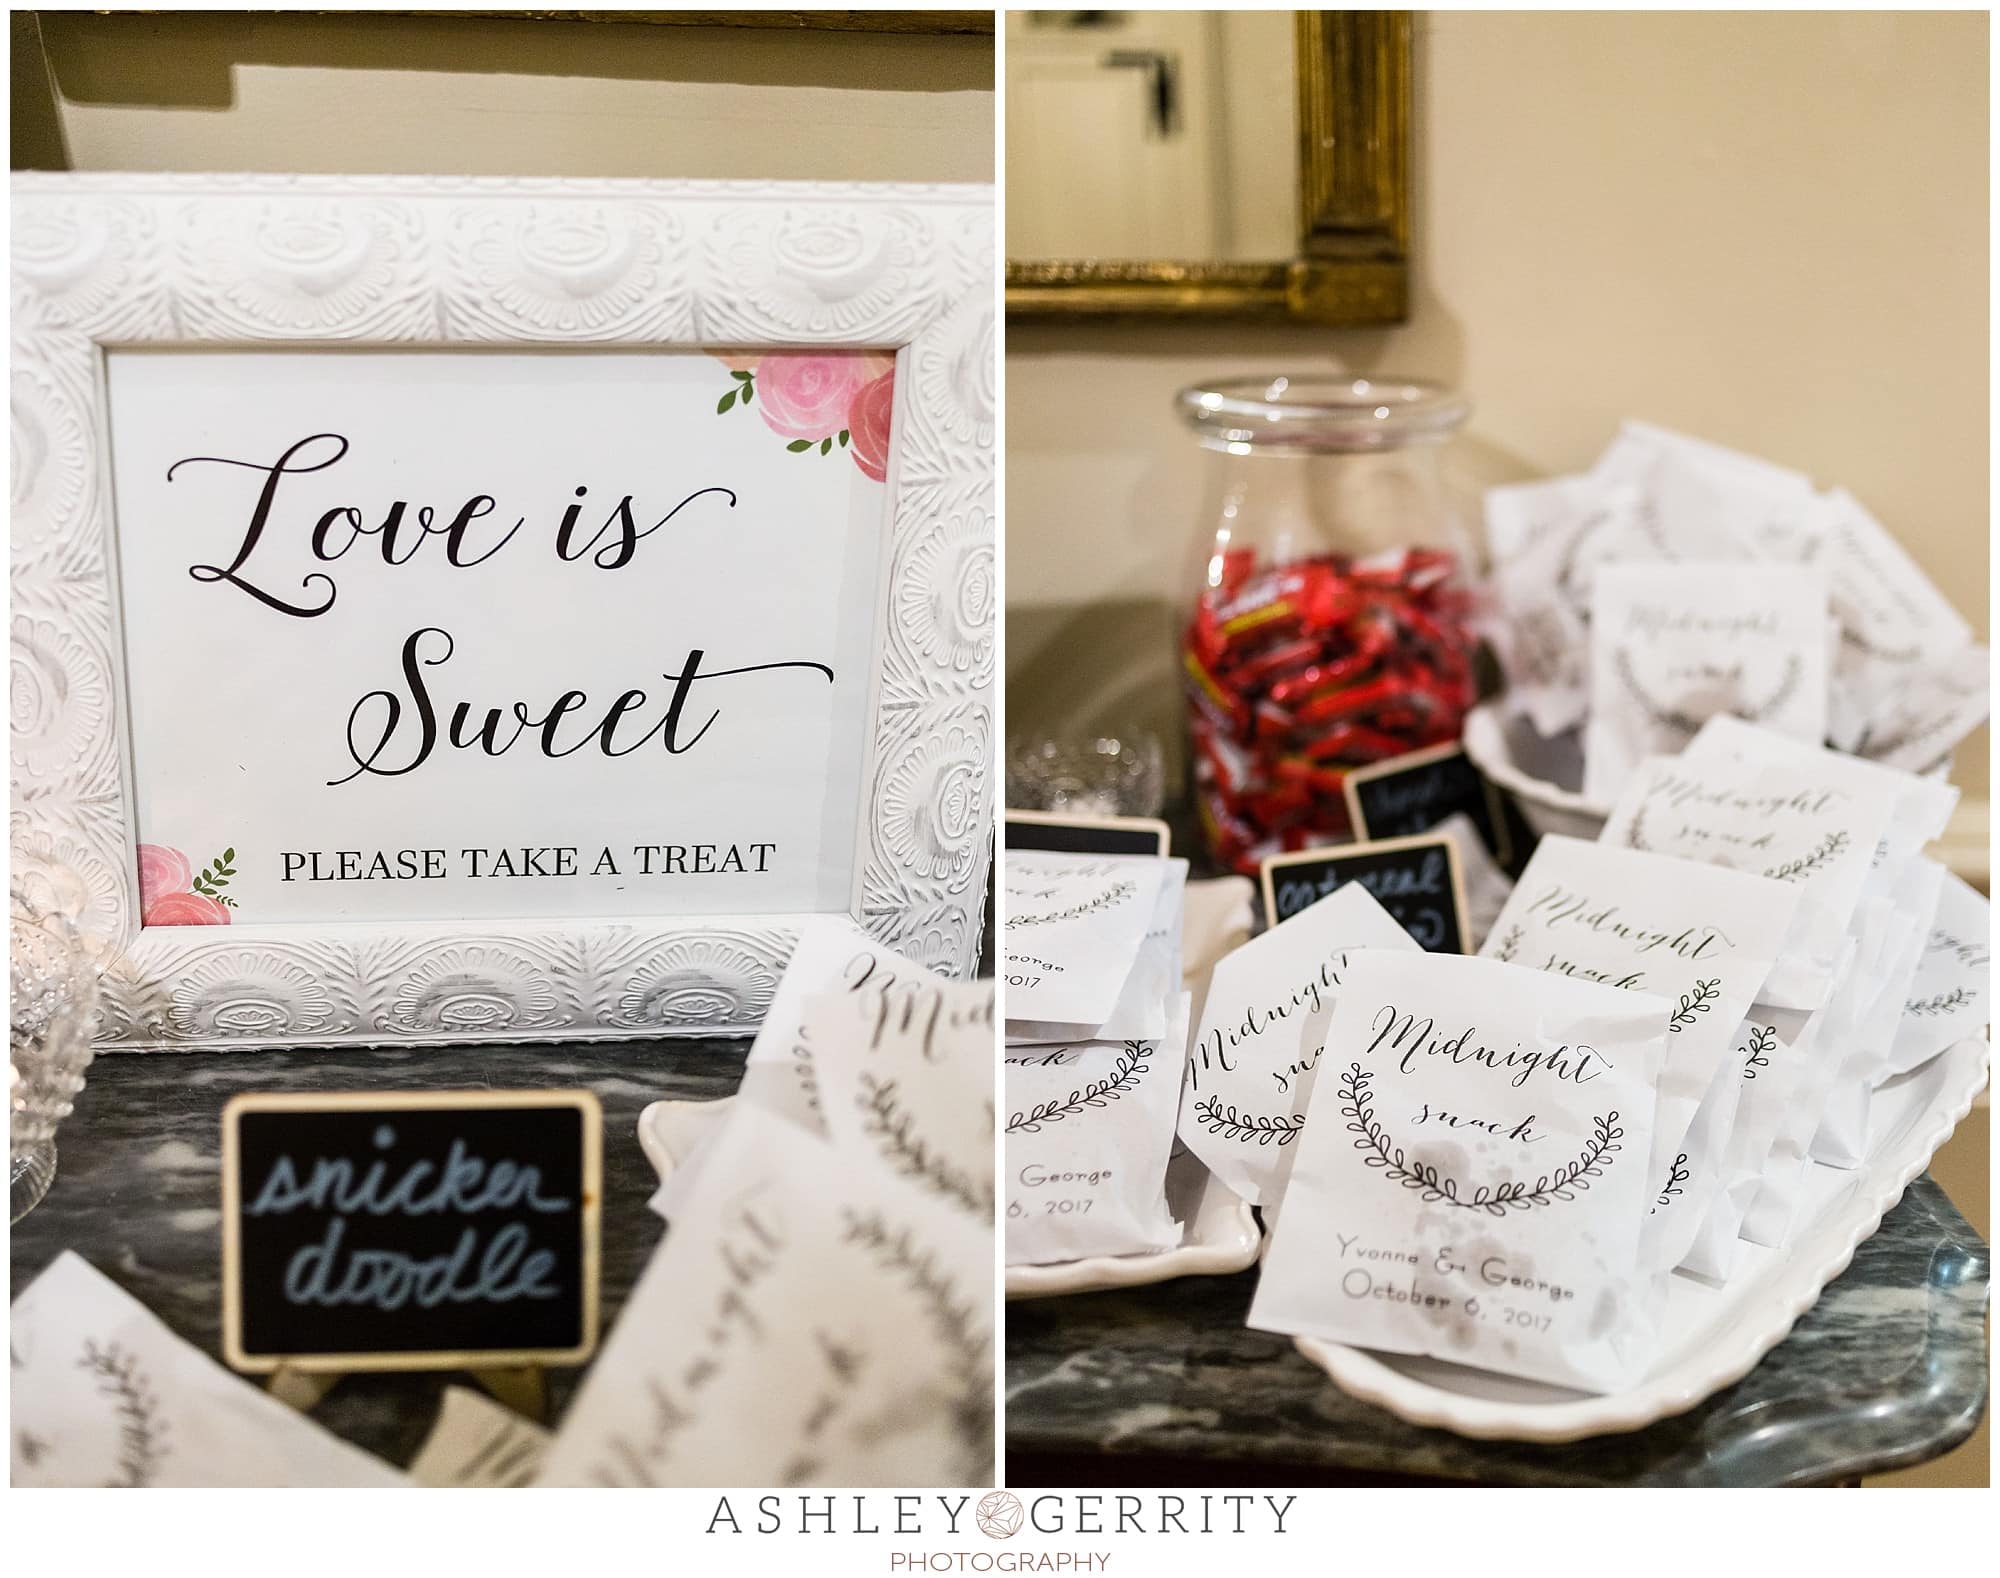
<point x="1672" y="1031"/>
<point x="821" y="1309"/>
<point x="1677" y="579"/>
<point x="1097" y="1028"/>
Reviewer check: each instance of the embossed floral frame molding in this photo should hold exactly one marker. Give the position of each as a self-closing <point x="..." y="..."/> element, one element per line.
<point x="102" y="261"/>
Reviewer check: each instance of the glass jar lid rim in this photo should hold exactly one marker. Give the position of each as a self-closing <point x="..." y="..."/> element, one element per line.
<point x="1322" y="411"/>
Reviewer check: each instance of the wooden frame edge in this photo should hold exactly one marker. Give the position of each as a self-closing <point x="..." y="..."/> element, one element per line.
<point x="1354" y="73"/>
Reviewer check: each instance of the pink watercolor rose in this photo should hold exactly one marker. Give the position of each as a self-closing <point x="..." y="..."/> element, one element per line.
<point x="185" y="909"/>
<point x="162" y="871"/>
<point x="808" y="396"/>
<point x="868" y="425"/>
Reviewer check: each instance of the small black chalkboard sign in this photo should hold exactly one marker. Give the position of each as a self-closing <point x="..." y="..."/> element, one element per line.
<point x="410" y="1230"/>
<point x="1411" y="794"/>
<point x="1417" y="880"/>
<point x="1087" y="835"/>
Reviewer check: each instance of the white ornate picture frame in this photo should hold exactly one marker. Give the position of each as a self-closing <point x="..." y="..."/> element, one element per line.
<point x="102" y="262"/>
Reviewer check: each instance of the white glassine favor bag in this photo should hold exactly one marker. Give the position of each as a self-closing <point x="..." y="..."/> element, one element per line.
<point x="1251" y="1065"/>
<point x="1089" y="1130"/>
<point x="1486" y="885"/>
<point x="1774" y="1047"/>
<point x="1782" y="1188"/>
<point x="1672" y="645"/>
<point x="1779" y="819"/>
<point x="1072" y="933"/>
<point x="1708" y="502"/>
<point x="1895" y="625"/>
<point x="1842" y="1140"/>
<point x="1544" y="539"/>
<point x="1474" y="1180"/>
<point x="1147" y="997"/>
<point x="1948" y="998"/>
<point x="1917" y="724"/>
<point x="1923" y="805"/>
<point x="1702" y="937"/>
<point x="832" y="951"/>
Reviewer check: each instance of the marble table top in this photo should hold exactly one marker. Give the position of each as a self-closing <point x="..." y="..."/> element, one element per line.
<point x="137" y="1185"/>
<point x="1886" y="1370"/>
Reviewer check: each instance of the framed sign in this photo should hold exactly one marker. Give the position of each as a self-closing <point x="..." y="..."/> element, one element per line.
<point x="1417" y="880"/>
<point x="1087" y="835"/>
<point x="461" y="610"/>
<point x="1411" y="794"/>
<point x="408" y="1230"/>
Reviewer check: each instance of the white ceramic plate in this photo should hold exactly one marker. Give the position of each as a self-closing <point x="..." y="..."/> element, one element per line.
<point x="1219" y="1236"/>
<point x="669" y="1131"/>
<point x="1714" y="1336"/>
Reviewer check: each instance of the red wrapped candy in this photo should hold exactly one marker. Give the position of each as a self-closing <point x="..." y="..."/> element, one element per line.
<point x="1297" y="672"/>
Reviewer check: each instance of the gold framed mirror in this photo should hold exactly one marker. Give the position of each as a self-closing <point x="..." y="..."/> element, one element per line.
<point x="1125" y="128"/>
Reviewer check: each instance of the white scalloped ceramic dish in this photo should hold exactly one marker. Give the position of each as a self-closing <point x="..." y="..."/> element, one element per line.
<point x="669" y="1131"/>
<point x="1714" y="1336"/>
<point x="1532" y="770"/>
<point x="1219" y="1236"/>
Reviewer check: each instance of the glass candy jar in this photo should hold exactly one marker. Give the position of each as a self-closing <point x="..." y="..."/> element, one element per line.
<point x="1329" y="622"/>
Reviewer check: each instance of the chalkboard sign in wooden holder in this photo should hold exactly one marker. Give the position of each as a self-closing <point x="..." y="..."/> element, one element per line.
<point x="1087" y="835"/>
<point x="1417" y="880"/>
<point x="1411" y="794"/>
<point x="427" y="1230"/>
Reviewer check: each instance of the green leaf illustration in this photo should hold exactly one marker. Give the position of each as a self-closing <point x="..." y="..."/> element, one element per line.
<point x="749" y="388"/>
<point x="725" y="402"/>
<point x="826" y="446"/>
<point x="843" y="438"/>
<point x="799" y="445"/>
<point x="739" y="375"/>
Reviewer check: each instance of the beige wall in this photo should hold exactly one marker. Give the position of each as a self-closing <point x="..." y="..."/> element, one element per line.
<point x="464" y="96"/>
<point x="1768" y="229"/>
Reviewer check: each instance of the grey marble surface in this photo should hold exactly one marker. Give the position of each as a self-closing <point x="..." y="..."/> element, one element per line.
<point x="138" y="1181"/>
<point x="1888" y="1368"/>
<point x="1165" y="1384"/>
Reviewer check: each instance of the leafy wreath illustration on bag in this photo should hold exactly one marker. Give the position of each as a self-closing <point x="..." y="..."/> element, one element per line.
<point x="1835" y="843"/>
<point x="884" y="1118"/>
<point x="142" y="1431"/>
<point x="1229" y="1124"/>
<point x="1672" y="717"/>
<point x="1357" y="1105"/>
<point x="1883" y="746"/>
<point x="1862" y="642"/>
<point x="955" y="1317"/>
<point x="1123" y="1078"/>
<point x="1757" y="1053"/>
<point x="1677" y="1174"/>
<point x="1110" y="898"/>
<point x="1698" y="1001"/>
<point x="1943" y="1003"/>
